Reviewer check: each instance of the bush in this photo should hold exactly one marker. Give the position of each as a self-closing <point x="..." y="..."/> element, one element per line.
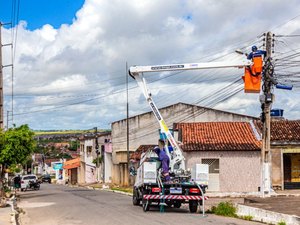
<point x="281" y="223"/>
<point x="224" y="209"/>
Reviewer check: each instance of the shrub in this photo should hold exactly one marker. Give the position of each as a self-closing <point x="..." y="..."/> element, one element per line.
<point x="281" y="223"/>
<point x="225" y="209"/>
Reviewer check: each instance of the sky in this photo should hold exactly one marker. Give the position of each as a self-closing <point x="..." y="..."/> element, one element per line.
<point x="71" y="57"/>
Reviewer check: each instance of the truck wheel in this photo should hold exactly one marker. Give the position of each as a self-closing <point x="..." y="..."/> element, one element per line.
<point x="135" y="199"/>
<point x="193" y="206"/>
<point x="177" y="205"/>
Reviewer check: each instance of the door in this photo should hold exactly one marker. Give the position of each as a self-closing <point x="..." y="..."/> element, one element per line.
<point x="213" y="176"/>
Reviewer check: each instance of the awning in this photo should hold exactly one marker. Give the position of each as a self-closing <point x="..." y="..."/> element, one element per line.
<point x="71" y="164"/>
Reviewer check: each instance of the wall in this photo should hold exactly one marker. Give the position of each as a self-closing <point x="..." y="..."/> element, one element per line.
<point x="108" y="167"/>
<point x="239" y="170"/>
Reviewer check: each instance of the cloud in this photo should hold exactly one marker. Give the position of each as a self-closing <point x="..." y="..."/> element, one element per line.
<point x="77" y="73"/>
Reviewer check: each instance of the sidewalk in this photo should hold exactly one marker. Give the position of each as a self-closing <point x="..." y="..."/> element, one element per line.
<point x="7" y="214"/>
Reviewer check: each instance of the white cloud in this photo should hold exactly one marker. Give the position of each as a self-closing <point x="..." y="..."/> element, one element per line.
<point x="85" y="62"/>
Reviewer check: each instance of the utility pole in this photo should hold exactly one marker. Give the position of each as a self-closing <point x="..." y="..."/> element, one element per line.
<point x="1" y="77"/>
<point x="127" y="125"/>
<point x="1" y="81"/>
<point x="266" y="101"/>
<point x="98" y="153"/>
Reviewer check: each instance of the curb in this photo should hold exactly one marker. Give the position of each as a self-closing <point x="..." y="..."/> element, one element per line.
<point x="14" y="213"/>
<point x="109" y="190"/>
<point x="265" y="216"/>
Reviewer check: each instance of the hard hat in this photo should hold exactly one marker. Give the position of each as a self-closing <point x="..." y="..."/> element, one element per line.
<point x="254" y="48"/>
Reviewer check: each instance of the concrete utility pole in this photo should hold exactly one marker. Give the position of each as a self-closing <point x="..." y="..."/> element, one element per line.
<point x="266" y="101"/>
<point x="97" y="153"/>
<point x="1" y="77"/>
<point x="127" y="126"/>
<point x="1" y="81"/>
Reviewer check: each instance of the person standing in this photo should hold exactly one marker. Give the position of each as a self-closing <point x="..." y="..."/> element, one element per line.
<point x="17" y="182"/>
<point x="256" y="53"/>
<point x="164" y="159"/>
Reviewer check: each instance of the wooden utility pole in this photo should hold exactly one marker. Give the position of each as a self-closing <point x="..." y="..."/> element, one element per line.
<point x="267" y="100"/>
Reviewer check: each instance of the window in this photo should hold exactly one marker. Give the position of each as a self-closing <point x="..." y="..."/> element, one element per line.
<point x="29" y="178"/>
<point x="89" y="149"/>
<point x="213" y="165"/>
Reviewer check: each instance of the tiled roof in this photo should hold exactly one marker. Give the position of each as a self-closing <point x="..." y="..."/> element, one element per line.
<point x="137" y="154"/>
<point x="218" y="136"/>
<point x="283" y="130"/>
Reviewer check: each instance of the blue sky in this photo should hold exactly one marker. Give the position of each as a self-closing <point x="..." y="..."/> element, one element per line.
<point x="40" y="12"/>
<point x="73" y="76"/>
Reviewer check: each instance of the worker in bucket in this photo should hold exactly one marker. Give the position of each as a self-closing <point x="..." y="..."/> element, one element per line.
<point x="164" y="158"/>
<point x="256" y="53"/>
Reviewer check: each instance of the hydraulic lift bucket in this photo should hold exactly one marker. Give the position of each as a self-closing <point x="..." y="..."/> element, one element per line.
<point x="252" y="82"/>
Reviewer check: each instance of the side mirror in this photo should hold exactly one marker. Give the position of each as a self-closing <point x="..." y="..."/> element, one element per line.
<point x="132" y="171"/>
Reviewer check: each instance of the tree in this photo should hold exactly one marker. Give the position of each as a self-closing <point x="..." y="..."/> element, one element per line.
<point x="16" y="144"/>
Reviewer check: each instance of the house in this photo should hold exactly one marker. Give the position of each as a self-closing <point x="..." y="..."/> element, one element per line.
<point x="231" y="149"/>
<point x="144" y="130"/>
<point x="88" y="171"/>
<point x="285" y="152"/>
<point x="71" y="168"/>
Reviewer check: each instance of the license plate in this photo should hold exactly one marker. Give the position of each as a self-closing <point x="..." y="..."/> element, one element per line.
<point x="175" y="190"/>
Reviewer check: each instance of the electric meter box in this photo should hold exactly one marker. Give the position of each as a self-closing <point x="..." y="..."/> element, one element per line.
<point x="200" y="173"/>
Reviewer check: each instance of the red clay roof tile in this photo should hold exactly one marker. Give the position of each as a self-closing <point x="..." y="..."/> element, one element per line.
<point x="142" y="148"/>
<point x="283" y="130"/>
<point x="218" y="136"/>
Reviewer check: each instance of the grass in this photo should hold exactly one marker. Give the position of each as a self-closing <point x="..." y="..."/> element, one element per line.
<point x="249" y="218"/>
<point x="224" y="209"/>
<point x="123" y="189"/>
<point x="281" y="223"/>
<point x="66" y="132"/>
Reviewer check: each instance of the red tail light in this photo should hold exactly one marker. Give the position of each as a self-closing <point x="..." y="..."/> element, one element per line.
<point x="194" y="190"/>
<point x="155" y="189"/>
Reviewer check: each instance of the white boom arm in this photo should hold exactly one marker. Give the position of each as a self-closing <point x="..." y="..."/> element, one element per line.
<point x="176" y="157"/>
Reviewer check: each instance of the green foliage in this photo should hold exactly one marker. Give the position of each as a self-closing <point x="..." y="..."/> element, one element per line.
<point x="246" y="217"/>
<point x="281" y="223"/>
<point x="224" y="209"/>
<point x="16" y="144"/>
<point x="74" y="145"/>
<point x="15" y="168"/>
<point x="95" y="161"/>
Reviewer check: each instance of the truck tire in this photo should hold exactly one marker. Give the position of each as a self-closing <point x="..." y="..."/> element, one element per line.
<point x="135" y="198"/>
<point x="193" y="206"/>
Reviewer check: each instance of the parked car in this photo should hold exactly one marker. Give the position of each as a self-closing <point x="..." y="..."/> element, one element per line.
<point x="46" y="178"/>
<point x="25" y="180"/>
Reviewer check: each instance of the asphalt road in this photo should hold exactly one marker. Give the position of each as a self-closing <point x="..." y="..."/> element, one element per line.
<point x="62" y="205"/>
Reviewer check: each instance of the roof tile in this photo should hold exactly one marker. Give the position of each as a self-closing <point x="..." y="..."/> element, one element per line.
<point x="218" y="136"/>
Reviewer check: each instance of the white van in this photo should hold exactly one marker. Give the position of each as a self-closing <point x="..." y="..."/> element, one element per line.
<point x="25" y="180"/>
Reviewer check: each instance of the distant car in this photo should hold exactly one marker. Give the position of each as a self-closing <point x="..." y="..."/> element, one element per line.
<point x="46" y="178"/>
<point x="25" y="180"/>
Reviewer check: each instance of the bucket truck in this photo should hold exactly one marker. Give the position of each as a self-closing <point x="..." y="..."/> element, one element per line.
<point x="186" y="186"/>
